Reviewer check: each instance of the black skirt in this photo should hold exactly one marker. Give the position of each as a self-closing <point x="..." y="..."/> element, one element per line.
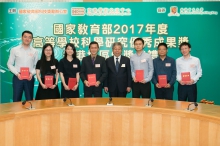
<point x="47" y="93"/>
<point x="69" y="93"/>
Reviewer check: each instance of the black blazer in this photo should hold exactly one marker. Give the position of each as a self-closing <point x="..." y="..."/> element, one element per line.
<point x="88" y="68"/>
<point x="122" y="78"/>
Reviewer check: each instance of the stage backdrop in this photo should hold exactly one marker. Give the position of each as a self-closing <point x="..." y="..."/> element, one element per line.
<point x="80" y="23"/>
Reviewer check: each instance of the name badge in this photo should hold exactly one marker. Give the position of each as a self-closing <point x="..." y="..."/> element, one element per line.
<point x="53" y="67"/>
<point x="123" y="65"/>
<point x="75" y="66"/>
<point x="143" y="60"/>
<point x="97" y="65"/>
<point x="168" y="64"/>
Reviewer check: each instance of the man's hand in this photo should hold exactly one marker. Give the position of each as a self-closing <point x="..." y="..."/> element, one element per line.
<point x="97" y="84"/>
<point x="143" y="81"/>
<point x="134" y="79"/>
<point x="30" y="77"/>
<point x="182" y="83"/>
<point x="19" y="76"/>
<point x="106" y="89"/>
<point x="190" y="82"/>
<point x="167" y="86"/>
<point x="128" y="89"/>
<point x="158" y="85"/>
<point x="86" y="83"/>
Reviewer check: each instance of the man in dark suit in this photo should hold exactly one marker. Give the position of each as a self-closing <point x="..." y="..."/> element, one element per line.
<point x="93" y="64"/>
<point x="118" y="82"/>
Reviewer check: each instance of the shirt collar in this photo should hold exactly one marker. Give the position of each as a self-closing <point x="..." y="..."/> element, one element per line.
<point x="164" y="58"/>
<point x="93" y="57"/>
<point x="140" y="54"/>
<point x="21" y="47"/>
<point x="119" y="57"/>
<point x="190" y="57"/>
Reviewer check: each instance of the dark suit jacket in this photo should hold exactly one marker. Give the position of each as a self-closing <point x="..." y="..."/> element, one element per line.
<point x="88" y="68"/>
<point x="122" y="78"/>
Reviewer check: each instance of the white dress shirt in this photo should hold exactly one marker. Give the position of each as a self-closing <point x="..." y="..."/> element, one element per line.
<point x="20" y="57"/>
<point x="191" y="64"/>
<point x="119" y="57"/>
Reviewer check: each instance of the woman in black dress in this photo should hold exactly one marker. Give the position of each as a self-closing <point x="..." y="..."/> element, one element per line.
<point x="47" y="65"/>
<point x="69" y="67"/>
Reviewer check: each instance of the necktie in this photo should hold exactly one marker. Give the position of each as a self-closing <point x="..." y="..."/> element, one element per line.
<point x="117" y="64"/>
<point x="93" y="60"/>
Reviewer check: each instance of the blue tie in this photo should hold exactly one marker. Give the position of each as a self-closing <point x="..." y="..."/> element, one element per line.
<point x="117" y="64"/>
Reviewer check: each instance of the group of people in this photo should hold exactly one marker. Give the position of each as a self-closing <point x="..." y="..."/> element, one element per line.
<point x="116" y="74"/>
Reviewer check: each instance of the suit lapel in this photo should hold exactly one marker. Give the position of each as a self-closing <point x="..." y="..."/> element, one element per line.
<point x="96" y="60"/>
<point x="112" y="61"/>
<point x="90" y="60"/>
<point x="120" y="63"/>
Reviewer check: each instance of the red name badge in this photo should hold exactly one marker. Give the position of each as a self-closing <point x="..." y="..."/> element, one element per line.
<point x="139" y="75"/>
<point x="92" y="79"/>
<point x="48" y="80"/>
<point x="71" y="83"/>
<point x="186" y="76"/>
<point x="162" y="80"/>
<point x="24" y="73"/>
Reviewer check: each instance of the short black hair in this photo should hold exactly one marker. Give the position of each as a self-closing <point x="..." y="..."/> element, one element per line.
<point x="139" y="39"/>
<point x="185" y="44"/>
<point x="162" y="44"/>
<point x="27" y="31"/>
<point x="93" y="42"/>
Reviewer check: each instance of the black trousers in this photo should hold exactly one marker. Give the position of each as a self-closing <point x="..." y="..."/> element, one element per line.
<point x="117" y="93"/>
<point x="164" y="93"/>
<point x="187" y="92"/>
<point x="93" y="91"/>
<point x="140" y="89"/>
